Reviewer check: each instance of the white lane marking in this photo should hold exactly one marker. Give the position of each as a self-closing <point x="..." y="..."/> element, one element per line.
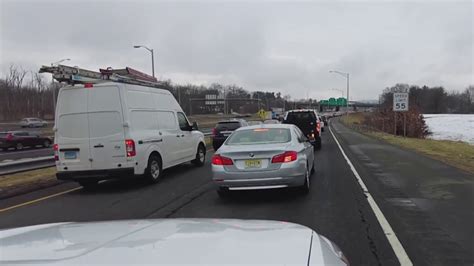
<point x="387" y="229"/>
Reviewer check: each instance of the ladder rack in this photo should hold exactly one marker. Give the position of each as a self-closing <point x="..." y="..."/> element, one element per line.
<point x="75" y="75"/>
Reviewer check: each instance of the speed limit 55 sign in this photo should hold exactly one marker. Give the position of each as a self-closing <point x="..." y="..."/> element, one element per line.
<point x="400" y="102"/>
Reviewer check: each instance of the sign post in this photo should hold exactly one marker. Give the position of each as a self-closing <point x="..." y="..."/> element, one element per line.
<point x="400" y="104"/>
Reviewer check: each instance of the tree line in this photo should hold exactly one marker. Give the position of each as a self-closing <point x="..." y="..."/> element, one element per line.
<point x="30" y="94"/>
<point x="434" y="100"/>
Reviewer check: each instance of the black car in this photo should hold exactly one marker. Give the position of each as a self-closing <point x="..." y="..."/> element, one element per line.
<point x="308" y="122"/>
<point x="223" y="130"/>
<point x="20" y="139"/>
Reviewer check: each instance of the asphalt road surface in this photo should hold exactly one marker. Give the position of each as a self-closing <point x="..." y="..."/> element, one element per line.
<point x="336" y="207"/>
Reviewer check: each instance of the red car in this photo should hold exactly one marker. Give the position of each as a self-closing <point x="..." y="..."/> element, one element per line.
<point x="21" y="139"/>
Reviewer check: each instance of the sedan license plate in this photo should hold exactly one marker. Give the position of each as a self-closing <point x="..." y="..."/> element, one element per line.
<point x="253" y="163"/>
<point x="70" y="155"/>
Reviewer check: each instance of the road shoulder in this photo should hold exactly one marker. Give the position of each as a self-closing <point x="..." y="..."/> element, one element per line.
<point x="428" y="203"/>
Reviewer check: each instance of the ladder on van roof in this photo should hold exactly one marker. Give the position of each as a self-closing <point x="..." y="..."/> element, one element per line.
<point x="76" y="75"/>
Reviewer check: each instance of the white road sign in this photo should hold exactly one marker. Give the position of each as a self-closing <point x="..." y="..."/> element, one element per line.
<point x="400" y="102"/>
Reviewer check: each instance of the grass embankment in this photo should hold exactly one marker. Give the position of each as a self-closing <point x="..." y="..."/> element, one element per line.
<point x="26" y="181"/>
<point x="456" y="153"/>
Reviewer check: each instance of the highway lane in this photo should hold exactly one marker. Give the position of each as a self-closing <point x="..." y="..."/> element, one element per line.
<point x="335" y="207"/>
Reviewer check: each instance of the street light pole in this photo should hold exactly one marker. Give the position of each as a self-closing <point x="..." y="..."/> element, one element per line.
<point x="152" y="57"/>
<point x="53" y="89"/>
<point x="346" y="75"/>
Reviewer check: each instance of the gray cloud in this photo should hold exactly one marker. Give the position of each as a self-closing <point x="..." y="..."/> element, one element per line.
<point x="287" y="47"/>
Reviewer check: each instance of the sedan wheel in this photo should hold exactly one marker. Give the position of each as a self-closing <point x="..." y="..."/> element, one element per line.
<point x="46" y="144"/>
<point x="305" y="187"/>
<point x="19" y="146"/>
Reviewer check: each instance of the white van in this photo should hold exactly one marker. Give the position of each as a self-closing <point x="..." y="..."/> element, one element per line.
<point x="112" y="130"/>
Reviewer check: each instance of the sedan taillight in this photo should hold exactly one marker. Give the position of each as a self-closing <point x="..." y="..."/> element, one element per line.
<point x="221" y="160"/>
<point x="9" y="136"/>
<point x="214" y="132"/>
<point x="286" y="157"/>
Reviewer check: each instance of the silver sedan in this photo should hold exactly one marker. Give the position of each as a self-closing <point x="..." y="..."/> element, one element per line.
<point x="263" y="157"/>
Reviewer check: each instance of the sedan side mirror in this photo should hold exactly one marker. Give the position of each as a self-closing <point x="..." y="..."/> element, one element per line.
<point x="195" y="126"/>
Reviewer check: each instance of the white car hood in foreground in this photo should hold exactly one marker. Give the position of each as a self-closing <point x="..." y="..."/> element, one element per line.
<point x="167" y="241"/>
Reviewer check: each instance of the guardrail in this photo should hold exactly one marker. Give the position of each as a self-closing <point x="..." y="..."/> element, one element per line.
<point x="24" y="165"/>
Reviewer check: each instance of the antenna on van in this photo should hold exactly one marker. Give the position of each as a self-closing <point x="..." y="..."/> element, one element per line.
<point x="76" y="75"/>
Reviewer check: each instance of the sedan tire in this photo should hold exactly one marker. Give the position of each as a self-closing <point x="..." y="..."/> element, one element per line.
<point x="46" y="143"/>
<point x="19" y="146"/>
<point x="305" y="187"/>
<point x="223" y="193"/>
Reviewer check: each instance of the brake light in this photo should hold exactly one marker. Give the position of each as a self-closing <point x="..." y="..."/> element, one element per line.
<point x="286" y="157"/>
<point x="318" y="126"/>
<point x="9" y="136"/>
<point x="130" y="147"/>
<point x="221" y="160"/>
<point x="214" y="132"/>
<point x="56" y="149"/>
<point x="88" y="85"/>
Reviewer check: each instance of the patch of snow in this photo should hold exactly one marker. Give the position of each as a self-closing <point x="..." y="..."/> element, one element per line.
<point x="457" y="127"/>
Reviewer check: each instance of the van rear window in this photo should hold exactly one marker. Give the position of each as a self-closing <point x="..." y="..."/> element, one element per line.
<point x="73" y="126"/>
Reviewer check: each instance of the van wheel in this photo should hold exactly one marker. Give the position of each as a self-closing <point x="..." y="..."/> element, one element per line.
<point x="200" y="156"/>
<point x="89" y="184"/>
<point x="154" y="169"/>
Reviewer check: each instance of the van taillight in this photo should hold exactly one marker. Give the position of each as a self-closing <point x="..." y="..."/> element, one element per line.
<point x="56" y="149"/>
<point x="130" y="147"/>
<point x="318" y="126"/>
<point x="286" y="157"/>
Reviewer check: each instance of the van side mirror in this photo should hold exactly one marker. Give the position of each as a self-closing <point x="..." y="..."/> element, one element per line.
<point x="195" y="126"/>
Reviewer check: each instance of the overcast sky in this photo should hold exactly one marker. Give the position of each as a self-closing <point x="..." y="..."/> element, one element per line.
<point x="274" y="46"/>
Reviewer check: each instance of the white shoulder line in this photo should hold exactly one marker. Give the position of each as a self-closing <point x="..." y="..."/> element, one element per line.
<point x="387" y="229"/>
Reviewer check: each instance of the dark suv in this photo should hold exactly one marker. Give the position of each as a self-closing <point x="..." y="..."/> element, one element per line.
<point x="308" y="121"/>
<point x="223" y="130"/>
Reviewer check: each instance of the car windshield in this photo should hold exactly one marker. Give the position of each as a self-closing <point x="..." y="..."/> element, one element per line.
<point x="259" y="136"/>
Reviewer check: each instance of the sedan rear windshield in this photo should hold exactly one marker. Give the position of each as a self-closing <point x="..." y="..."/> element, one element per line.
<point x="228" y="125"/>
<point x="259" y="136"/>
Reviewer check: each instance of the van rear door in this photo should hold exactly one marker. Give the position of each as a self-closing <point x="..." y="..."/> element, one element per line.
<point x="72" y="124"/>
<point x="107" y="136"/>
